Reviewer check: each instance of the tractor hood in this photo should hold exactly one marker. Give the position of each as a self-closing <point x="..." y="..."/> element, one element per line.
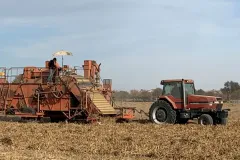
<point x="204" y="99"/>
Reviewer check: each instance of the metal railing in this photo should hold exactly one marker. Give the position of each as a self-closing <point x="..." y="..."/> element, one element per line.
<point x="113" y="103"/>
<point x="78" y="70"/>
<point x="16" y="74"/>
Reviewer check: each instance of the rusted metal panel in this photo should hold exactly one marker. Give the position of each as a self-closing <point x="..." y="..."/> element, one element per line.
<point x="30" y="89"/>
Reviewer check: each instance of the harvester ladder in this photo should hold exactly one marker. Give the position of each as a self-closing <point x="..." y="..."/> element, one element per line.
<point x="98" y="99"/>
<point x="90" y="96"/>
<point x="4" y="95"/>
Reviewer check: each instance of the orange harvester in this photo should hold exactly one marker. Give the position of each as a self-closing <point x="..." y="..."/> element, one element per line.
<point x="26" y="94"/>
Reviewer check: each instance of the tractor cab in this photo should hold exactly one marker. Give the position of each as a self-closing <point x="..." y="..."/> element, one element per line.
<point x="175" y="88"/>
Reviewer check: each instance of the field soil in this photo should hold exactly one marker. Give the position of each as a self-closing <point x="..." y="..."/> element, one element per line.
<point x="109" y="140"/>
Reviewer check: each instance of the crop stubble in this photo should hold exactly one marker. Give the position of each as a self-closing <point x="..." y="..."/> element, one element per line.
<point x="109" y="140"/>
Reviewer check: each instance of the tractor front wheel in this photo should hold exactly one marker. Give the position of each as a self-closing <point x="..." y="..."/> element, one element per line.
<point x="205" y="119"/>
<point x="162" y="112"/>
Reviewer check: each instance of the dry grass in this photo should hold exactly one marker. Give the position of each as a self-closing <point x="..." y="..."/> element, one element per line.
<point x="120" y="141"/>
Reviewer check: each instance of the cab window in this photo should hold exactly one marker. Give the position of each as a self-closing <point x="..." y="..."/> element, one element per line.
<point x="173" y="89"/>
<point x="189" y="89"/>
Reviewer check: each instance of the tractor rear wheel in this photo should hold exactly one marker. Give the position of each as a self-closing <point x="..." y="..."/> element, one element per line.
<point x="162" y="112"/>
<point x="205" y="119"/>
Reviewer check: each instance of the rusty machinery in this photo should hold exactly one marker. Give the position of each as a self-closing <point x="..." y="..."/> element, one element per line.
<point x="76" y="97"/>
<point x="72" y="97"/>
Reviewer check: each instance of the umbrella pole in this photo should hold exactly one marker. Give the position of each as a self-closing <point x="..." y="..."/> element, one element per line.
<point x="62" y="65"/>
<point x="62" y="61"/>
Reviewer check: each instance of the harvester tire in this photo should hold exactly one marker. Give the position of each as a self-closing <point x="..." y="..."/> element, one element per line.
<point x="162" y="112"/>
<point x="205" y="119"/>
<point x="45" y="120"/>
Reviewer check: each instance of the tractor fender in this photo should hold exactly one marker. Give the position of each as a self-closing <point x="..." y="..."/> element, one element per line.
<point x="167" y="99"/>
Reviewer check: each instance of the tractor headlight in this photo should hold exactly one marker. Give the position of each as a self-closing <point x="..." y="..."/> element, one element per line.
<point x="215" y="102"/>
<point x="218" y="102"/>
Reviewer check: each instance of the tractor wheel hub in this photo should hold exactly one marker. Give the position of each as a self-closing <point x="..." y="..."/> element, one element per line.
<point x="161" y="115"/>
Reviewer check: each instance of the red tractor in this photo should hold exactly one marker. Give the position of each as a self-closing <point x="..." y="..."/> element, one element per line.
<point x="178" y="104"/>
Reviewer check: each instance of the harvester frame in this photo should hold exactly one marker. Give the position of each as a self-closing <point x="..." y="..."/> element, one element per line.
<point x="72" y="97"/>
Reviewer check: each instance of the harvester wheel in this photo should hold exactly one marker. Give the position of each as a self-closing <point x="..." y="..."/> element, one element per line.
<point x="162" y="112"/>
<point x="45" y="120"/>
<point x="205" y="119"/>
<point x="10" y="111"/>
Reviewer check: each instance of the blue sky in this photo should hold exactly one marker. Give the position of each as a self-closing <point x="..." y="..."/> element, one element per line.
<point x="138" y="42"/>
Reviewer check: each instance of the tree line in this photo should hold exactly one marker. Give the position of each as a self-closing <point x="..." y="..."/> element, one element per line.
<point x="230" y="91"/>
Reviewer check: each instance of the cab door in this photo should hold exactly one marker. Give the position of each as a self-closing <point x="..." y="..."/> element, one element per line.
<point x="189" y="90"/>
<point x="174" y="92"/>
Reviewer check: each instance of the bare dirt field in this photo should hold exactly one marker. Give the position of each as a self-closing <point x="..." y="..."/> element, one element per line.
<point x="109" y="140"/>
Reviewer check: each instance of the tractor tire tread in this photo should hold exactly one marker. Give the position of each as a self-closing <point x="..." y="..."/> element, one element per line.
<point x="207" y="117"/>
<point x="171" y="113"/>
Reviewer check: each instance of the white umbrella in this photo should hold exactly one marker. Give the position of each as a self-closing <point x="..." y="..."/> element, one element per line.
<point x="62" y="53"/>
